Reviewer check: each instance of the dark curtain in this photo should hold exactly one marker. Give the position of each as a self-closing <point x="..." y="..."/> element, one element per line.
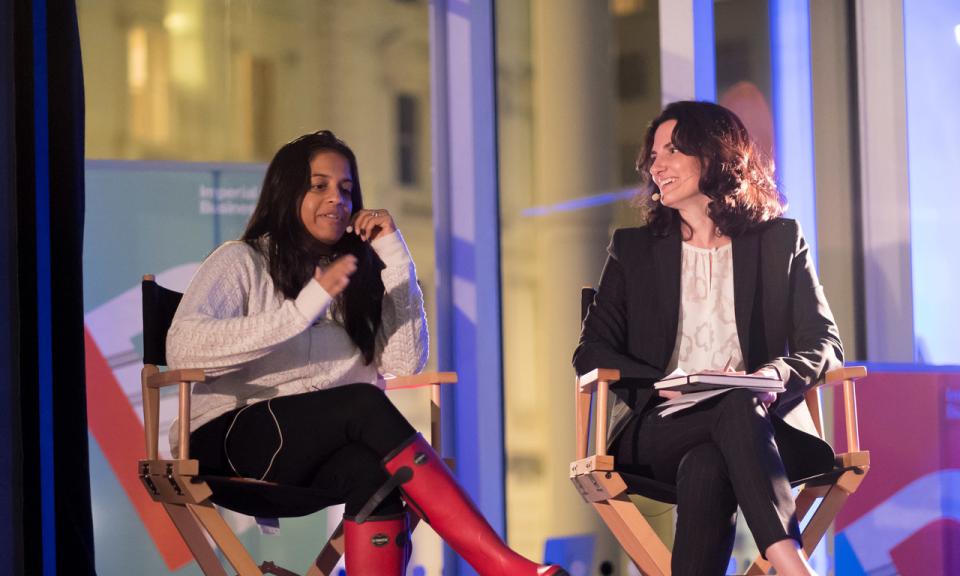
<point x="10" y="515"/>
<point x="43" y="150"/>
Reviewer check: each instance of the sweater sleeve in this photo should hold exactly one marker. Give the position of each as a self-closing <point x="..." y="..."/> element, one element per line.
<point x="214" y="327"/>
<point x="403" y="342"/>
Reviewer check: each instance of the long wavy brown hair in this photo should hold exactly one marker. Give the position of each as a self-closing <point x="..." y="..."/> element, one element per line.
<point x="734" y="173"/>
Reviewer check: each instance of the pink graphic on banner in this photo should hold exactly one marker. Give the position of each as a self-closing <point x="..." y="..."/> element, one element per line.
<point x="905" y="517"/>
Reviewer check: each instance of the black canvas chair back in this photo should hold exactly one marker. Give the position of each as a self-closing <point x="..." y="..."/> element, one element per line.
<point x="159" y="306"/>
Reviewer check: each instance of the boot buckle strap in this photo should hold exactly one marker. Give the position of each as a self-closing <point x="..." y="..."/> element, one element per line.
<point x="402" y="475"/>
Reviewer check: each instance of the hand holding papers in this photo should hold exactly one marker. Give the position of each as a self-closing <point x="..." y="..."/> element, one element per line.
<point x="699" y="386"/>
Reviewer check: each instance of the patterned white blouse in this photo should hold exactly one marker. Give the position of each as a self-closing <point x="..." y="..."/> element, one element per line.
<point x="707" y="332"/>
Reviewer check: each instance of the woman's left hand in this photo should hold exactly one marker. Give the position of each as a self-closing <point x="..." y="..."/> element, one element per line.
<point x="767" y="397"/>
<point x="370" y="224"/>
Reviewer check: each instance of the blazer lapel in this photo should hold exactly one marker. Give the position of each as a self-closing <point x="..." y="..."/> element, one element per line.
<point x="666" y="252"/>
<point x="746" y="259"/>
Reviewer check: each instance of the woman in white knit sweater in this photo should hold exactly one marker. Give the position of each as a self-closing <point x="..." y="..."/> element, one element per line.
<point x="296" y="323"/>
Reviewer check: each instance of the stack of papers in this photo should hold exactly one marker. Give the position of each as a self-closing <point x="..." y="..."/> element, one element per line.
<point x="700" y="386"/>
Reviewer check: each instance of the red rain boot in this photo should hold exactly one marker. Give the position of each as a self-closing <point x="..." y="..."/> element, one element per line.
<point x="379" y="546"/>
<point x="428" y="487"/>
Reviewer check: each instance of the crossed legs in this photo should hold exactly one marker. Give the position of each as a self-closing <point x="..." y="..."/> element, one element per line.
<point x="347" y="442"/>
<point x="719" y="456"/>
<point x="333" y="442"/>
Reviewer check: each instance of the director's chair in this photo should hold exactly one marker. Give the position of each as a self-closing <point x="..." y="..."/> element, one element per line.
<point x="188" y="497"/>
<point x="603" y="487"/>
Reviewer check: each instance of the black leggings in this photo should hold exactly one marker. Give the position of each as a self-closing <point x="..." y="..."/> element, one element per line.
<point x="333" y="442"/>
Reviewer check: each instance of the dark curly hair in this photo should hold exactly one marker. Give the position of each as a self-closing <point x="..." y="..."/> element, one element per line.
<point x="276" y="231"/>
<point x="734" y="173"/>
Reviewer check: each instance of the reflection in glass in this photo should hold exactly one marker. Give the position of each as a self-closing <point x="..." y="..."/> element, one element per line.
<point x="744" y="81"/>
<point x="577" y="83"/>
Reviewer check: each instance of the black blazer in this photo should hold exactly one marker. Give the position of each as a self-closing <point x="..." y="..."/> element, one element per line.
<point x="783" y="319"/>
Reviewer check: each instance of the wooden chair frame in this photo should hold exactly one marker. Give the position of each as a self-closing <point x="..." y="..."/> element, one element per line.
<point x="598" y="482"/>
<point x="178" y="487"/>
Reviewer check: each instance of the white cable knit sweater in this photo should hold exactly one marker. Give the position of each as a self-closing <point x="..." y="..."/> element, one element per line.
<point x="254" y="344"/>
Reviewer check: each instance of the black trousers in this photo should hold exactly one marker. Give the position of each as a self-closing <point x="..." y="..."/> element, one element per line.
<point x="720" y="455"/>
<point x="331" y="441"/>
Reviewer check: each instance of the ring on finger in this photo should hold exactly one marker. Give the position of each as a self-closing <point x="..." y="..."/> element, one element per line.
<point x="376" y="214"/>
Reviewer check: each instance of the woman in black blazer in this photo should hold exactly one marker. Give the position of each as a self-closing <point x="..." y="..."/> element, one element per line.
<point x="714" y="280"/>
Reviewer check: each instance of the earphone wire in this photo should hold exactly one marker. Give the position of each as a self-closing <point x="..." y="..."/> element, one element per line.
<point x="275" y="453"/>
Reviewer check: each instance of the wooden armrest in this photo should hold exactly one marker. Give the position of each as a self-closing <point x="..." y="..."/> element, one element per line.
<point x="840" y="375"/>
<point x="151" y="380"/>
<point x="432" y="379"/>
<point x="847" y="376"/>
<point x="588" y="381"/>
<point x="597" y="380"/>
<point x="171" y="377"/>
<point x="421" y="380"/>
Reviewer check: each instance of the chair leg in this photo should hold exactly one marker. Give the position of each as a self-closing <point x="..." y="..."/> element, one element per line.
<point x="228" y="542"/>
<point x="823" y="516"/>
<point x="805" y="499"/>
<point x="193" y="535"/>
<point x="332" y="552"/>
<point x="634" y="533"/>
<point x="759" y="566"/>
<point x="271" y="568"/>
<point x="817" y="526"/>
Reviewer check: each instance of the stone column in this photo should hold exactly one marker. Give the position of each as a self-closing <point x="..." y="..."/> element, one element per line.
<point x="572" y="146"/>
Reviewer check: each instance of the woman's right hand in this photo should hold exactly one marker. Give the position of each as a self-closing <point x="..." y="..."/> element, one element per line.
<point x="335" y="277"/>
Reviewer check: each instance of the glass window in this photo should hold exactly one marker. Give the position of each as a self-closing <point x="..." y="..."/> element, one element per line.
<point x="932" y="65"/>
<point x="577" y="83"/>
<point x="744" y="82"/>
<point x="186" y="102"/>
